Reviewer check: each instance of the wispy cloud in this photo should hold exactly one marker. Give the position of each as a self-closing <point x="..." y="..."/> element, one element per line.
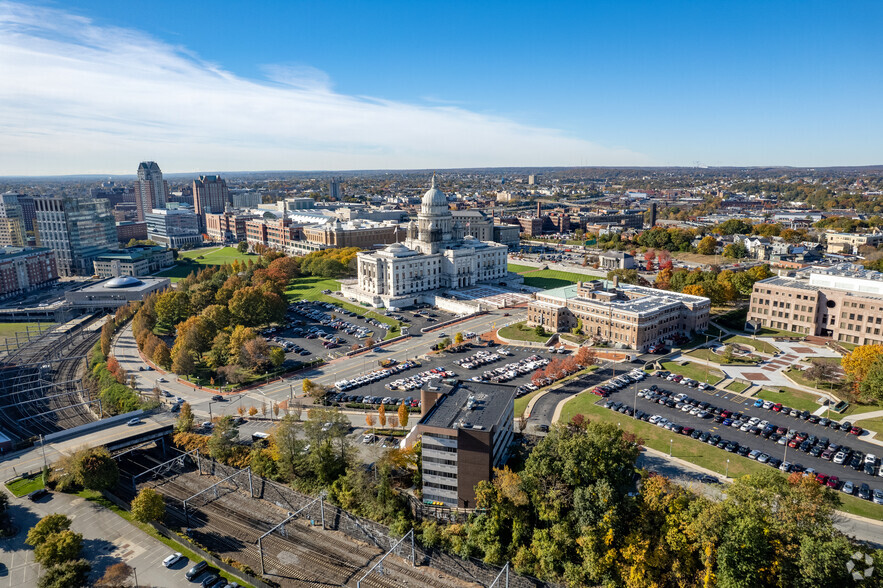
<point x="77" y="97"/>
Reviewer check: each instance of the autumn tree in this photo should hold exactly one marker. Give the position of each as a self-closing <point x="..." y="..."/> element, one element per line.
<point x="707" y="245"/>
<point x="403" y="415"/>
<point x="458" y="338"/>
<point x="860" y="360"/>
<point x="381" y="415"/>
<point x="48" y="525"/>
<point x="148" y="506"/>
<point x="162" y="356"/>
<point x="369" y="420"/>
<point x="185" y="418"/>
<point x="95" y="469"/>
<point x="115" y="576"/>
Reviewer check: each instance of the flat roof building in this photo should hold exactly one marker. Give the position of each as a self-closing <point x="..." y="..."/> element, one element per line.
<point x="467" y="429"/>
<point x="173" y="227"/>
<point x="23" y="269"/>
<point x="115" y="292"/>
<point x="136" y="261"/>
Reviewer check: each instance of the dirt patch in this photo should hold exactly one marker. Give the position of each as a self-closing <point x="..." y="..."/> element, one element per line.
<point x="806" y="350"/>
<point x="755" y="376"/>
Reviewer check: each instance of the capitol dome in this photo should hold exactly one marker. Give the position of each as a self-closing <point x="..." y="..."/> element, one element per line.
<point x="435" y="197"/>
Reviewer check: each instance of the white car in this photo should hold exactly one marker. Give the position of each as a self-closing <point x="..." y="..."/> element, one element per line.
<point x="172" y="559"/>
<point x="871" y="458"/>
<point x="161" y="379"/>
<point x="134" y="421"/>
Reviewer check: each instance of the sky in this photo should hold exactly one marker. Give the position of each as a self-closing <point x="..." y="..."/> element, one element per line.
<point x="98" y="86"/>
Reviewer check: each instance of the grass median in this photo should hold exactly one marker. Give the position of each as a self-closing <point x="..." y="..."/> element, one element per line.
<point x="310" y="288"/>
<point x="737" y="387"/>
<point x="24" y="486"/>
<point x="694" y="451"/>
<point x="521" y="332"/>
<point x="694" y="371"/>
<point x="790" y="397"/>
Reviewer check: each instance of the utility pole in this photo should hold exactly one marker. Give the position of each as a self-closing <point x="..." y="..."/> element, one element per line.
<point x="43" y="447"/>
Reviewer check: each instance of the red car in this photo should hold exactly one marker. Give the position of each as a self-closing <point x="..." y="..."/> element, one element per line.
<point x="777" y="407"/>
<point x="793" y="443"/>
<point x="833" y="482"/>
<point x="822" y="479"/>
<point x="856" y="431"/>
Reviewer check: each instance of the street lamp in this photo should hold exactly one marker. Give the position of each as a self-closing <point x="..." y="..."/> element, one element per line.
<point x="727" y="474"/>
<point x="670" y="443"/>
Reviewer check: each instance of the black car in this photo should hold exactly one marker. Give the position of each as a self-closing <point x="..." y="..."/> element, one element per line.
<point x="697" y="434"/>
<point x="754" y="430"/>
<point x="774" y="462"/>
<point x="704" y="437"/>
<point x="798" y="468"/>
<point x="804" y="415"/>
<point x="704" y="405"/>
<point x="714" y="439"/>
<point x="722" y="444"/>
<point x="212" y="580"/>
<point x="845" y="426"/>
<point x="196" y="570"/>
<point x="823" y="422"/>
<point x="805" y="446"/>
<point x="38" y="494"/>
<point x="744" y="450"/>
<point x="732" y="447"/>
<point x="857" y="462"/>
<point x="864" y="492"/>
<point x="814" y="419"/>
<point x="816" y="450"/>
<point x="870" y="469"/>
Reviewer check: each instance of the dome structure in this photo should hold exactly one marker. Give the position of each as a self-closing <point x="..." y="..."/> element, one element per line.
<point x="434" y="198"/>
<point x="123" y="282"/>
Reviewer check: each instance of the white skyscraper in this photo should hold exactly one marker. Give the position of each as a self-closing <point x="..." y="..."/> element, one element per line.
<point x="151" y="191"/>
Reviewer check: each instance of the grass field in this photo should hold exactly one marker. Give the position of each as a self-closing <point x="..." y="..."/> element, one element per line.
<point x="210" y="256"/>
<point x="761" y="346"/>
<point x="24" y="486"/>
<point x="548" y="279"/>
<point x="694" y="451"/>
<point x="520" y="269"/>
<point x="737" y="387"/>
<point x="311" y="289"/>
<point x="735" y="320"/>
<point x="10" y="329"/>
<point x="522" y="332"/>
<point x="790" y="397"/>
<point x="694" y="371"/>
<point x="709" y="355"/>
<point x="861" y="408"/>
<point x="799" y="377"/>
<point x="871" y="424"/>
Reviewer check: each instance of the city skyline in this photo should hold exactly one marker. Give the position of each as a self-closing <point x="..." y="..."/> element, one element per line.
<point x="99" y="86"/>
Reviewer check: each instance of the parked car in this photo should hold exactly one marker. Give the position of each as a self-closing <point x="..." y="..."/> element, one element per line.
<point x="172" y="559"/>
<point x="196" y="570"/>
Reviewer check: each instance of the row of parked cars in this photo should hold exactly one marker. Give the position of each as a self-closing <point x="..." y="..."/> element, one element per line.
<point x="510" y="371"/>
<point x="618" y="382"/>
<point x="754" y="425"/>
<point x="200" y="572"/>
<point x="480" y="358"/>
<point x="311" y="310"/>
<point x="374" y="376"/>
<point x="805" y="415"/>
<point x="416" y="382"/>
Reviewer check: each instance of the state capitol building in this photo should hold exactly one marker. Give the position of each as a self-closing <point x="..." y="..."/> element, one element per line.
<point x="438" y="254"/>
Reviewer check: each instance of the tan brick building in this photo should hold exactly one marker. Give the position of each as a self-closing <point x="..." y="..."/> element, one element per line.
<point x="627" y="316"/>
<point x="844" y="302"/>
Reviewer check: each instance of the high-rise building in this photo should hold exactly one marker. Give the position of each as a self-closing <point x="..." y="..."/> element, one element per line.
<point x="173" y="227"/>
<point x="78" y="229"/>
<point x="28" y="211"/>
<point x="652" y="219"/>
<point x="23" y="269"/>
<point x="209" y="197"/>
<point x="151" y="191"/>
<point x="12" y="233"/>
<point x="334" y="189"/>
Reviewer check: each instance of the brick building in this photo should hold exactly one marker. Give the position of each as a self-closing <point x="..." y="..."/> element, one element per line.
<point x="23" y="269"/>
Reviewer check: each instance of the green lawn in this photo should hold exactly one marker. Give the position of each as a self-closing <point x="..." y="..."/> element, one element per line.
<point x="548" y="279"/>
<point x="10" y="329"/>
<point x="98" y="498"/>
<point x="522" y="332"/>
<point x="694" y="371"/>
<point x="790" y="397"/>
<point x="520" y="269"/>
<point x="24" y="486"/>
<point x="310" y="288"/>
<point x="709" y="355"/>
<point x="861" y="408"/>
<point x="521" y="403"/>
<point x="761" y="346"/>
<point x="694" y="451"/>
<point x="799" y="376"/>
<point x="210" y="256"/>
<point x="737" y="387"/>
<point x="871" y="424"/>
<point x="734" y="320"/>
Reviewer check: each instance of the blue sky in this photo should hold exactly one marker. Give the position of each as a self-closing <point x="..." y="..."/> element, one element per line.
<point x="342" y="85"/>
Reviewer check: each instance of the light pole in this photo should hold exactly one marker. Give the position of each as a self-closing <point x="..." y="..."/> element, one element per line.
<point x="670" y="444"/>
<point x="635" y="412"/>
<point x="706" y="361"/>
<point x="727" y="474"/>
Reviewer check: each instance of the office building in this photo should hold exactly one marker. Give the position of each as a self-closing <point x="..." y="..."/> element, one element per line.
<point x="362" y="234"/>
<point x="133" y="261"/>
<point x="652" y="220"/>
<point x="23" y="269"/>
<point x="173" y="227"/>
<point x="228" y="227"/>
<point x="151" y="191"/>
<point x="843" y="302"/>
<point x="437" y="254"/>
<point x="28" y="211"/>
<point x="849" y="243"/>
<point x="466" y="431"/>
<point x="78" y="229"/>
<point x="245" y="198"/>
<point x="625" y="316"/>
<point x="12" y="229"/>
<point x="209" y="197"/>
<point x="128" y="230"/>
<point x="334" y="192"/>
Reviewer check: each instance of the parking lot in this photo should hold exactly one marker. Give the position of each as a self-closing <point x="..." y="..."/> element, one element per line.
<point x="775" y="445"/>
<point x="404" y="380"/>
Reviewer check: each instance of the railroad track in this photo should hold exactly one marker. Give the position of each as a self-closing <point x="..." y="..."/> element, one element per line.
<point x="304" y="557"/>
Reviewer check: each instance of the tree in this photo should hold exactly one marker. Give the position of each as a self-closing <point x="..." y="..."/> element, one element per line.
<point x="185" y="419"/>
<point x="277" y="356"/>
<point x="95" y="469"/>
<point x="626" y="276"/>
<point x="458" y="338"/>
<point x="871" y="386"/>
<point x="369" y="420"/>
<point x="707" y="245"/>
<point x="162" y="356"/>
<point x="289" y="446"/>
<point x="183" y="361"/>
<point x="48" y="525"/>
<point x="381" y="415"/>
<point x="116" y="576"/>
<point x="106" y="337"/>
<point x="252" y="411"/>
<point x="369" y="343"/>
<point x="694" y="290"/>
<point x="172" y="307"/>
<point x="238" y="338"/>
<point x="242" y="247"/>
<point x="70" y="574"/>
<point x="58" y="548"/>
<point x="220" y="444"/>
<point x="403" y="415"/>
<point x="148" y="506"/>
<point x="735" y="251"/>
<point x="858" y="363"/>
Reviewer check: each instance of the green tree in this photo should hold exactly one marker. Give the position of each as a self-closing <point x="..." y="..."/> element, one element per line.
<point x="735" y="251"/>
<point x="242" y="247"/>
<point x="277" y="356"/>
<point x="626" y="276"/>
<point x="707" y="245"/>
<point x="69" y="574"/>
<point x="58" y="548"/>
<point x="185" y="419"/>
<point x="95" y="469"/>
<point x="148" y="506"/>
<point x="871" y="385"/>
<point x="238" y="338"/>
<point x="540" y="331"/>
<point x="220" y="444"/>
<point x="183" y="361"/>
<point x="162" y="356"/>
<point x="291" y="447"/>
<point x="219" y="354"/>
<point x="171" y="307"/>
<point x="48" y="525"/>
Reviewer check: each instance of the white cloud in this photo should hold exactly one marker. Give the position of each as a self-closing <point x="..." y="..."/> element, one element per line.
<point x="77" y="97"/>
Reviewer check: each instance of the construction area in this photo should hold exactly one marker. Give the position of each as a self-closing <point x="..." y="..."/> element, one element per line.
<point x="295" y="539"/>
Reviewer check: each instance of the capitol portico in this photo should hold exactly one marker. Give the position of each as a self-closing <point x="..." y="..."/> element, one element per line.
<point x="438" y="254"/>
